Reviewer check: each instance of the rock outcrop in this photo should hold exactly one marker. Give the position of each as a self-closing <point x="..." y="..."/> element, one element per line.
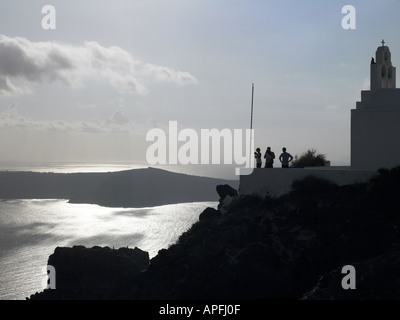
<point x="226" y="195"/>
<point x="95" y="273"/>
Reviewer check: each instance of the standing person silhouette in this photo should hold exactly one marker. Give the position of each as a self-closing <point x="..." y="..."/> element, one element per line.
<point x="269" y="157"/>
<point x="257" y="155"/>
<point x="285" y="158"/>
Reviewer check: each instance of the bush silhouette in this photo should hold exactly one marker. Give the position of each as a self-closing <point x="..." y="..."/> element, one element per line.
<point x="310" y="158"/>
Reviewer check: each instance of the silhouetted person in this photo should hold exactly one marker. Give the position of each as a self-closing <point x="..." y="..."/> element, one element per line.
<point x="285" y="158"/>
<point x="257" y="155"/>
<point x="269" y="157"/>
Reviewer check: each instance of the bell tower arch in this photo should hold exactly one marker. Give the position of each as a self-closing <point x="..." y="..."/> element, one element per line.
<point x="383" y="74"/>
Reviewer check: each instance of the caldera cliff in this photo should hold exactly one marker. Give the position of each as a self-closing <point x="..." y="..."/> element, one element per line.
<point x="291" y="247"/>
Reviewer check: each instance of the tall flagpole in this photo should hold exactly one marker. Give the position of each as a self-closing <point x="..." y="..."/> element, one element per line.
<point x="252" y="100"/>
<point x="251" y="121"/>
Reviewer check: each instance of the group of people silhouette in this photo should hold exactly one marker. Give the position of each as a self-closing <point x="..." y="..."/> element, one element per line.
<point x="269" y="156"/>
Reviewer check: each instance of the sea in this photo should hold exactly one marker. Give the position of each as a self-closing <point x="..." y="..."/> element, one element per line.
<point x="30" y="229"/>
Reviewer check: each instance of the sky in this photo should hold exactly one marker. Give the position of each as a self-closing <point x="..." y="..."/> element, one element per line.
<point x="91" y="89"/>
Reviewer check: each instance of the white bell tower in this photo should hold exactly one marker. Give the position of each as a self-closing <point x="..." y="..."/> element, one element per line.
<point x="375" y="123"/>
<point x="383" y="74"/>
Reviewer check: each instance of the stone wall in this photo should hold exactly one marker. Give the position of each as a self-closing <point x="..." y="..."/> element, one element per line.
<point x="277" y="181"/>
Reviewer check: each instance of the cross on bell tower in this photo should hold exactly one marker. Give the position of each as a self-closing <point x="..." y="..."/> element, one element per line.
<point x="383" y="74"/>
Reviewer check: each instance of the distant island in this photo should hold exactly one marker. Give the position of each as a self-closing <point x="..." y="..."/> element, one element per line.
<point x="131" y="188"/>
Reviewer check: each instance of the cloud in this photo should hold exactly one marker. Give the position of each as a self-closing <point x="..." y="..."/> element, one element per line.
<point x="119" y="118"/>
<point x="168" y="74"/>
<point x="6" y="87"/>
<point x="49" y="61"/>
<point x="117" y="123"/>
<point x="81" y="105"/>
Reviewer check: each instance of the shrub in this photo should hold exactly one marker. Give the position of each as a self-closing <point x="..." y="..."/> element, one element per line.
<point x="310" y="158"/>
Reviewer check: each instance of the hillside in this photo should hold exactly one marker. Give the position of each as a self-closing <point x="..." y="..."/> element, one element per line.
<point x="131" y="188"/>
<point x="292" y="247"/>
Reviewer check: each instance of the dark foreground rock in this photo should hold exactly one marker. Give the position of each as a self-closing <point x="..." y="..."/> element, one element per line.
<point x="377" y="280"/>
<point x="226" y="195"/>
<point x="209" y="213"/>
<point x="292" y="247"/>
<point x="95" y="273"/>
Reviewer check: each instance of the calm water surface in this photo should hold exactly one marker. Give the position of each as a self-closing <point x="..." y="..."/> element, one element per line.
<point x="30" y="230"/>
